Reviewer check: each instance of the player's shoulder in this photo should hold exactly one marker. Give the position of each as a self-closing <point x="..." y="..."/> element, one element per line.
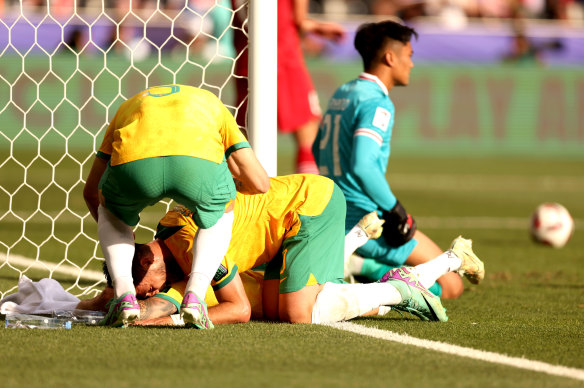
<point x="193" y="92"/>
<point x="378" y="110"/>
<point x="363" y="93"/>
<point x="372" y="101"/>
<point x="356" y="94"/>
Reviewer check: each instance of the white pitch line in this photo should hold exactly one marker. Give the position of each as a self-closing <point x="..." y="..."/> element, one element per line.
<point x="21" y="261"/>
<point x="516" y="362"/>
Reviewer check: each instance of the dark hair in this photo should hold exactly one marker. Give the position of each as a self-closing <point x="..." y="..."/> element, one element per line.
<point x="371" y="38"/>
<point x="141" y="251"/>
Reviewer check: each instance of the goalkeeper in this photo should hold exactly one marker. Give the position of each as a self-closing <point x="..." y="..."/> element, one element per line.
<point x="178" y="142"/>
<point x="297" y="230"/>
<point x="353" y="147"/>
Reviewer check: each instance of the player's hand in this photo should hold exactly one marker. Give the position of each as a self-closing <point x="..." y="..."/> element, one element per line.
<point x="400" y="226"/>
<point x="331" y="31"/>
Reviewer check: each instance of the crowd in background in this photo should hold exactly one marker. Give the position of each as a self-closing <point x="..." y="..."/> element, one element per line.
<point x="569" y="10"/>
<point x="408" y="9"/>
<point x="202" y="26"/>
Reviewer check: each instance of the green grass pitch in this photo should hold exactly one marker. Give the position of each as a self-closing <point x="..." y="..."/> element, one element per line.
<point x="530" y="305"/>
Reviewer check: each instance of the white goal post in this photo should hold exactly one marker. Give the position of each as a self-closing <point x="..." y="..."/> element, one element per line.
<point x="64" y="70"/>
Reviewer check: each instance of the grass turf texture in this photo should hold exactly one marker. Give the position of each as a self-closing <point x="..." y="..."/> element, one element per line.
<point x="530" y="305"/>
<point x="255" y="354"/>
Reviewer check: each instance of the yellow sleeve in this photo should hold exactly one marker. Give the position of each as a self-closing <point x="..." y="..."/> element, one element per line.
<point x="106" y="148"/>
<point x="233" y="138"/>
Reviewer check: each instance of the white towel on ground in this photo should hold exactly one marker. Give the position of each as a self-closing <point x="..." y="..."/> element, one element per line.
<point x="42" y="297"/>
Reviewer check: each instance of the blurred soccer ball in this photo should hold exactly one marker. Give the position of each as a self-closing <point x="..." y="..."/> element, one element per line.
<point x="552" y="224"/>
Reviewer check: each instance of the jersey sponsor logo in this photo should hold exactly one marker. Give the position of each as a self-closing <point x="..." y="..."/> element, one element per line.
<point x="221" y="272"/>
<point x="382" y="118"/>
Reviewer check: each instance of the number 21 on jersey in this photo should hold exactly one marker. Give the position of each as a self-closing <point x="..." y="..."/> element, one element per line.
<point x="331" y="123"/>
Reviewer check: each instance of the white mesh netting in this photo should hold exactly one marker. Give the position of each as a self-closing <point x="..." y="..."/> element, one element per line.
<point x="64" y="70"/>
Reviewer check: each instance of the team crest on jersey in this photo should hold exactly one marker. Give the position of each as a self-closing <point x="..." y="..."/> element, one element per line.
<point x="382" y="118"/>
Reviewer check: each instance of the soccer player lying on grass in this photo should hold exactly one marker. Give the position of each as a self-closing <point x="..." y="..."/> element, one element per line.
<point x="178" y="142"/>
<point x="353" y="148"/>
<point x="297" y="228"/>
<point x="157" y="308"/>
<point x="225" y="305"/>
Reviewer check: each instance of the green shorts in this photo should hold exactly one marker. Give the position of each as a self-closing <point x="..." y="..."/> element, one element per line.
<point x="315" y="254"/>
<point x="201" y="185"/>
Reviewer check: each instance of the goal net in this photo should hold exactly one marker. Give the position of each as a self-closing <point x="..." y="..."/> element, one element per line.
<point x="64" y="71"/>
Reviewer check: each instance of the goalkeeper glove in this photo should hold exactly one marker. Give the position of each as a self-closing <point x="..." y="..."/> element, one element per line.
<point x="399" y="226"/>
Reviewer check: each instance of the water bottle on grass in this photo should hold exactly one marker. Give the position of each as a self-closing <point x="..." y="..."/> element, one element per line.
<point x="27" y="321"/>
<point x="76" y="316"/>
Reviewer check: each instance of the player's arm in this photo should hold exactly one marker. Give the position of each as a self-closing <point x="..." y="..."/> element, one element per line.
<point x="331" y="31"/>
<point x="97" y="303"/>
<point x="400" y="226"/>
<point x="162" y="321"/>
<point x="241" y="160"/>
<point x="246" y="168"/>
<point x="234" y="306"/>
<point x="90" y="191"/>
<point x="153" y="307"/>
<point x="156" y="311"/>
<point x="371" y="178"/>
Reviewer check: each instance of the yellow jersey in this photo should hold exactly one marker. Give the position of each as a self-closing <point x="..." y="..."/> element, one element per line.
<point x="261" y="223"/>
<point x="171" y="120"/>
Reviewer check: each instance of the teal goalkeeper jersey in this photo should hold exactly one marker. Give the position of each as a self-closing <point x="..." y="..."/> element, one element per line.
<point x="353" y="145"/>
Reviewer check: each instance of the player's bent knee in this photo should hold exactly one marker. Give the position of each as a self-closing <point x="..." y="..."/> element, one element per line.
<point x="298" y="318"/>
<point x="296" y="307"/>
<point x="244" y="314"/>
<point x="240" y="313"/>
<point x="296" y="313"/>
